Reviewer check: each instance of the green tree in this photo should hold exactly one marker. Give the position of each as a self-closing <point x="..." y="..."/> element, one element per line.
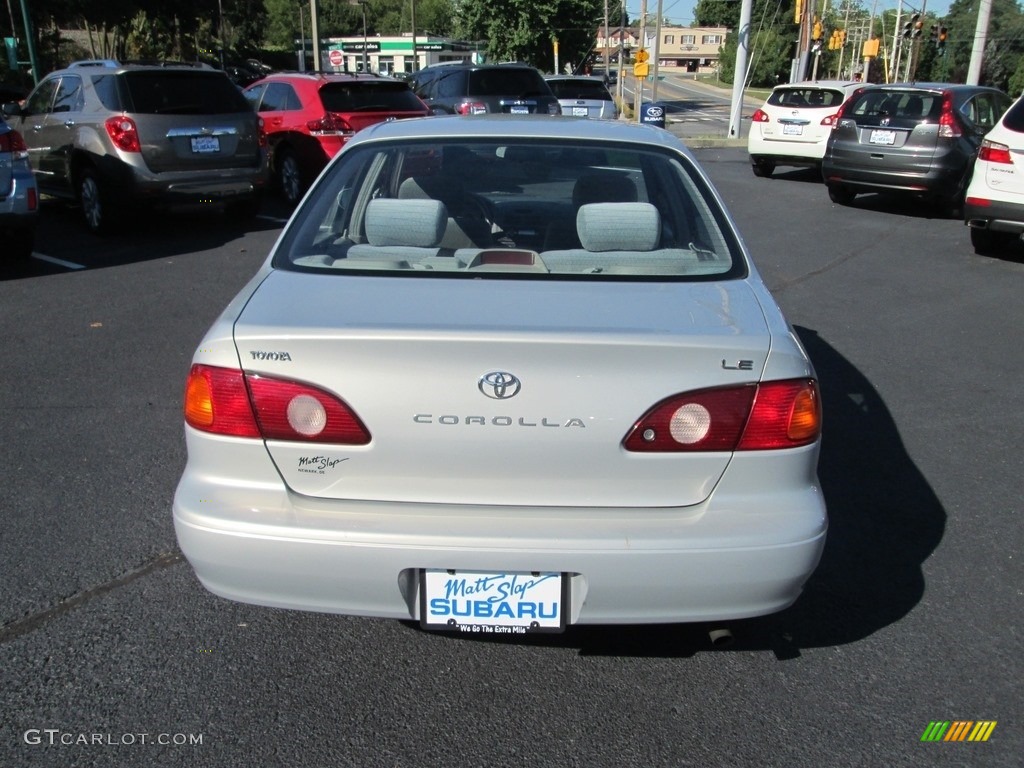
<point x="525" y="30"/>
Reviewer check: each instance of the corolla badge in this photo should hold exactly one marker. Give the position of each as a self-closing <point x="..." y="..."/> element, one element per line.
<point x="499" y="385"/>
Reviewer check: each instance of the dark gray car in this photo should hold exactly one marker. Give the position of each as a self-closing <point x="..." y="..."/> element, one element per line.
<point x="114" y="136"/>
<point x="476" y="89"/>
<point x="918" y="139"/>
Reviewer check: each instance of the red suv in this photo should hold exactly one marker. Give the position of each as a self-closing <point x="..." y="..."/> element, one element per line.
<point x="308" y="118"/>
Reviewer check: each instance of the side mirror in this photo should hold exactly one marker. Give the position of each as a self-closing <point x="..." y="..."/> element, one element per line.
<point x="12" y="109"/>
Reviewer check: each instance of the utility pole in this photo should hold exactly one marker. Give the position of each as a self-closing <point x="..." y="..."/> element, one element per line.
<point x="657" y="53"/>
<point x="638" y="96"/>
<point x="980" y="38"/>
<point x="314" y="31"/>
<point x="606" y="70"/>
<point x="740" y="75"/>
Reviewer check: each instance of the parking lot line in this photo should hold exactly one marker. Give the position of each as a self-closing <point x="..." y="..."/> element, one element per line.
<point x="58" y="262"/>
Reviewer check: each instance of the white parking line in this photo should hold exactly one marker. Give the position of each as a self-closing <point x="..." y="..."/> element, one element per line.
<point x="58" y="262"/>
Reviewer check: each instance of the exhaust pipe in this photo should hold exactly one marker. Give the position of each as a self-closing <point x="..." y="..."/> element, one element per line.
<point x="720" y="638"/>
<point x="977" y="223"/>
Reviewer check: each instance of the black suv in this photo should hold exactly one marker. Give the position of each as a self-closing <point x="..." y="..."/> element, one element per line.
<point x="113" y="136"/>
<point x="475" y="89"/>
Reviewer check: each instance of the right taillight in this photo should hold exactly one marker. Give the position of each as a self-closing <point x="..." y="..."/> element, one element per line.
<point x="330" y="123"/>
<point x="760" y="116"/>
<point x="124" y="133"/>
<point x="991" y="152"/>
<point x="750" y="417"/>
<point x="13" y="142"/>
<point x="471" y="108"/>
<point x="226" y="401"/>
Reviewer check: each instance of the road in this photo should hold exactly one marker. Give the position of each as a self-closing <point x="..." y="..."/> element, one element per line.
<point x="693" y="109"/>
<point x="110" y="647"/>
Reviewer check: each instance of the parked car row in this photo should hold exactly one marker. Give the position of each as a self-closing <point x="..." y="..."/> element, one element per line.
<point x="955" y="146"/>
<point x="114" y="136"/>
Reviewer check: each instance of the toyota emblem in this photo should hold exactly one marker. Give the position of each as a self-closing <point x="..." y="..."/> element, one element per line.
<point x="499" y="385"/>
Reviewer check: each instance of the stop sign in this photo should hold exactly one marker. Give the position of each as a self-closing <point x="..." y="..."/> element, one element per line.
<point x="336" y="57"/>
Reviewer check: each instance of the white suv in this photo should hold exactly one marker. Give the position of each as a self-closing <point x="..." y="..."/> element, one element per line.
<point x="994" y="204"/>
<point x="792" y="127"/>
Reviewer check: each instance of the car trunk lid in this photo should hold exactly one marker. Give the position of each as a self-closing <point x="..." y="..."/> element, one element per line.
<point x="410" y="356"/>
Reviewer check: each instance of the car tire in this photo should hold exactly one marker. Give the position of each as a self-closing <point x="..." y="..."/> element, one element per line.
<point x="841" y="195"/>
<point x="97" y="207"/>
<point x="289" y="178"/>
<point x="989" y="243"/>
<point x="763" y="168"/>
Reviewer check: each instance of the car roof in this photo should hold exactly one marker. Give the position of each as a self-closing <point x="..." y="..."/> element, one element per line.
<point x="817" y="84"/>
<point x="504" y="126"/>
<point x="329" y="77"/>
<point x="588" y="78"/>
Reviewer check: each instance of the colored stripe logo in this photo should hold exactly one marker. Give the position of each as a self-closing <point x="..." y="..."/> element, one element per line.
<point x="958" y="730"/>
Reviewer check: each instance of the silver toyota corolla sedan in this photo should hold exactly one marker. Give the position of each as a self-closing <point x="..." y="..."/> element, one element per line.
<point x="506" y="374"/>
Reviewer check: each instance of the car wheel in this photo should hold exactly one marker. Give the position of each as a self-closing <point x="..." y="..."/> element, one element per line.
<point x="989" y="243"/>
<point x="841" y="195"/>
<point x="763" y="168"/>
<point x="97" y="209"/>
<point x="289" y="178"/>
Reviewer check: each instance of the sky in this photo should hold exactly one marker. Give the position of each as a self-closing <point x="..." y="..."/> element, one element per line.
<point x="681" y="11"/>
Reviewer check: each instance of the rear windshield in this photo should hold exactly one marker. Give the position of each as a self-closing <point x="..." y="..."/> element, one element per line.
<point x="912" y="105"/>
<point x="1014" y="119"/>
<point x="186" y="92"/>
<point x="380" y="96"/>
<point x="554" y="209"/>
<point x="806" y="97"/>
<point x="580" y="89"/>
<point x="507" y="82"/>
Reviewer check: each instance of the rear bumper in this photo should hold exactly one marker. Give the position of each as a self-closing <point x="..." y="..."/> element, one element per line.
<point x="743" y="552"/>
<point x="999" y="216"/>
<point x="786" y="151"/>
<point x="929" y="179"/>
<point x="19" y="201"/>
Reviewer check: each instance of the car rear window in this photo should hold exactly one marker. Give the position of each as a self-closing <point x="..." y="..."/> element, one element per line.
<point x="186" y="92"/>
<point x="507" y="82"/>
<point x="383" y="96"/>
<point x="580" y="89"/>
<point x="806" y="97"/>
<point x="892" y="103"/>
<point x="530" y="209"/>
<point x="1014" y="118"/>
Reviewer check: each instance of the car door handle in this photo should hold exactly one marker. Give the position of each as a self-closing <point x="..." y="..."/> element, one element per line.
<point x="69" y="123"/>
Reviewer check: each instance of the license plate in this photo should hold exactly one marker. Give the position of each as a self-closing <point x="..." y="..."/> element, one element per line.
<point x="205" y="144"/>
<point x="792" y="130"/>
<point x="519" y="110"/>
<point x="493" y="602"/>
<point x="580" y="112"/>
<point x="883" y="137"/>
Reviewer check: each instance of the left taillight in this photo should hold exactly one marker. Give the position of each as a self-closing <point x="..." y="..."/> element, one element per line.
<point x="993" y="152"/>
<point x="752" y="417"/>
<point x="949" y="126"/>
<point x="226" y="401"/>
<point x="13" y="142"/>
<point x="124" y="133"/>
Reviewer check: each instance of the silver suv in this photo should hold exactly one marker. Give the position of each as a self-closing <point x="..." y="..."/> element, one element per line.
<point x="113" y="136"/>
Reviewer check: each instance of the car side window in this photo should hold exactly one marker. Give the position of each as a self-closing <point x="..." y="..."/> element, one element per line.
<point x="40" y="101"/>
<point x="276" y="98"/>
<point x="423" y="86"/>
<point x="252" y="95"/>
<point x="69" y="95"/>
<point x="105" y="88"/>
<point x="982" y="111"/>
<point x="450" y="85"/>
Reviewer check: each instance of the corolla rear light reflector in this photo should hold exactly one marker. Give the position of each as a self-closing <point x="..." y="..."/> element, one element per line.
<point x="993" y="152"/>
<point x="306" y="415"/>
<point x="760" y="116"/>
<point x="690" y="424"/>
<point x="226" y="401"/>
<point x="750" y="417"/>
<point x="123" y="133"/>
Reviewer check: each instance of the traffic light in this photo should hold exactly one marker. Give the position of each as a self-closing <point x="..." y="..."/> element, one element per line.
<point x="842" y="37"/>
<point x="912" y="27"/>
<point x="817" y="31"/>
<point x="918" y="25"/>
<point x="941" y="42"/>
<point x="798" y="11"/>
